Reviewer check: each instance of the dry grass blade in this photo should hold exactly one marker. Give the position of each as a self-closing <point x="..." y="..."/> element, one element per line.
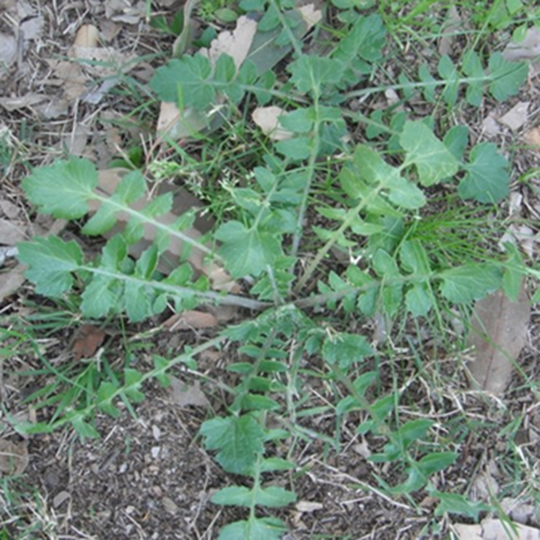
<point x="498" y="333"/>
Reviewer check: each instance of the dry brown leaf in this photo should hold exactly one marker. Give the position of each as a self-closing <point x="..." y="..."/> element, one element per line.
<point x="532" y="137"/>
<point x="20" y="102"/>
<point x="87" y="341"/>
<point x="267" y="118"/>
<point x="8" y="49"/>
<point x="179" y="124"/>
<point x="13" y="457"/>
<point x="236" y="43"/>
<point x="498" y="333"/>
<point x="495" y="529"/>
<point x="11" y="232"/>
<point x="526" y="49"/>
<point x="87" y="36"/>
<point x="10" y="281"/>
<point x="184" y="394"/>
<point x="516" y="116"/>
<point x="453" y="24"/>
<point x="490" y="127"/>
<point x="311" y="14"/>
<point x="31" y="28"/>
<point x="190" y="319"/>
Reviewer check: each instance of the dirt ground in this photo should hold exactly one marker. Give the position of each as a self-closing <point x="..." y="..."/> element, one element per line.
<point x="148" y="476"/>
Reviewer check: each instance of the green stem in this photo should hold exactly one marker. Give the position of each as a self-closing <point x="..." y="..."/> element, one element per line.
<point x="228" y="299"/>
<point x="321" y="254"/>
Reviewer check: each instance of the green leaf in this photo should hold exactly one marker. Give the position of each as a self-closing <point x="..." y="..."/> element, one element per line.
<point x="514" y="270"/>
<point x="508" y="77"/>
<point x="450" y="74"/>
<point x="456" y="141"/>
<point x="426" y="77"/>
<point x="470" y="282"/>
<point x="296" y="149"/>
<point x="419" y="300"/>
<point x="298" y="121"/>
<point x="487" y="178"/>
<point x="63" y="189"/>
<point x="246" y="251"/>
<point x="433" y="160"/>
<point x="132" y="382"/>
<point x="185" y="81"/>
<point x="107" y="390"/>
<point x="131" y="188"/>
<point x="50" y="263"/>
<point x="254" y="529"/>
<point x="436" y="461"/>
<point x="238" y="439"/>
<point x="365" y="39"/>
<point x="272" y="497"/>
<point x="472" y="67"/>
<point x="100" y="296"/>
<point x="311" y="73"/>
<point x="404" y="193"/>
<point x="452" y="503"/>
<point x="345" y="349"/>
<point x="414" y="257"/>
<point x="276" y="464"/>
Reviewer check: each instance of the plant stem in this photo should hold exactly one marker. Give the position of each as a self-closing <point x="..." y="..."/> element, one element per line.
<point x="321" y="254"/>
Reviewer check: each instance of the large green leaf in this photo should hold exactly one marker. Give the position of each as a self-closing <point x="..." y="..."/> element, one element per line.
<point x="487" y="178"/>
<point x="254" y="529"/>
<point x="433" y="161"/>
<point x="508" y="77"/>
<point x="246" y="251"/>
<point x="238" y="439"/>
<point x="50" y="263"/>
<point x="63" y="189"/>
<point x="346" y="349"/>
<point x="470" y="282"/>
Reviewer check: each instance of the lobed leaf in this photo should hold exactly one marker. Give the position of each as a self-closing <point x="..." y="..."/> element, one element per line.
<point x="238" y="439"/>
<point x="433" y="161"/>
<point x="51" y="262"/>
<point x="487" y="178"/>
<point x="64" y="188"/>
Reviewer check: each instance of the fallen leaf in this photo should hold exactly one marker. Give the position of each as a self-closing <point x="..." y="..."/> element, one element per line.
<point x="451" y="27"/>
<point x="20" y="102"/>
<point x="13" y="457"/>
<point x="311" y="14"/>
<point x="184" y="394"/>
<point x="236" y="43"/>
<point x="190" y="319"/>
<point x="31" y="28"/>
<point x="87" y="341"/>
<point x="490" y="127"/>
<point x="9" y="209"/>
<point x="521" y="235"/>
<point x="8" y="49"/>
<point x="527" y="49"/>
<point x="11" y="281"/>
<point x="87" y="36"/>
<point x="495" y="529"/>
<point x="518" y="510"/>
<point x="267" y="118"/>
<point x="178" y="124"/>
<point x="532" y="137"/>
<point x="11" y="232"/>
<point x="498" y="333"/>
<point x="516" y="116"/>
<point x="307" y="507"/>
